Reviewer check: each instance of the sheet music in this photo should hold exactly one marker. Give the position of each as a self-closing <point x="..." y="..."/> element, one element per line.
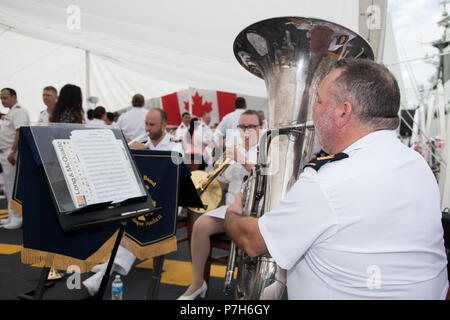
<point x="96" y="167"/>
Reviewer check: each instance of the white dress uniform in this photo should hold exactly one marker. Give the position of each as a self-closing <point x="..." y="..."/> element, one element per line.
<point x="365" y="227"/>
<point x="97" y="123"/>
<point x="43" y="116"/>
<point x="132" y="123"/>
<point x="234" y="176"/>
<point x="203" y="137"/>
<point x="228" y="128"/>
<point x="181" y="131"/>
<point x="229" y="121"/>
<point x="166" y="144"/>
<point x="14" y="119"/>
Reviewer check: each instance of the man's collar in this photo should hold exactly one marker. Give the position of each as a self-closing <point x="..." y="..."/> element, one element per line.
<point x="370" y="138"/>
<point x="165" y="135"/>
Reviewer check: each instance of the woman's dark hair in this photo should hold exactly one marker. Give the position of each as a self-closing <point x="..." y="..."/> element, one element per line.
<point x="138" y="100"/>
<point x="69" y="105"/>
<point x="193" y="124"/>
<point x="240" y="103"/>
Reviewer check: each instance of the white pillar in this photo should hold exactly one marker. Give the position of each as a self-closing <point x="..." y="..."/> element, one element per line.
<point x="87" y="89"/>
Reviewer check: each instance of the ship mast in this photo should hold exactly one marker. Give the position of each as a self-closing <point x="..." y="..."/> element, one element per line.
<point x="443" y="82"/>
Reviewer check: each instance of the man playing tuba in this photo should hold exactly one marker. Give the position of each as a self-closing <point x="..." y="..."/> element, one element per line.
<point x="364" y="222"/>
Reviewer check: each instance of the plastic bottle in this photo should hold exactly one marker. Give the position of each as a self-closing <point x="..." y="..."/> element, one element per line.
<point x="117" y="288"/>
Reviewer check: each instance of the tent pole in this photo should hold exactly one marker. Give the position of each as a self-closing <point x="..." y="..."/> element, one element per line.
<point x="88" y="84"/>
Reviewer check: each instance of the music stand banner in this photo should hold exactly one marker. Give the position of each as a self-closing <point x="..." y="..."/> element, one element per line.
<point x="153" y="234"/>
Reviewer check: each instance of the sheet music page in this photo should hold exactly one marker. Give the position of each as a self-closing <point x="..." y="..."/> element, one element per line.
<point x="101" y="164"/>
<point x="75" y="180"/>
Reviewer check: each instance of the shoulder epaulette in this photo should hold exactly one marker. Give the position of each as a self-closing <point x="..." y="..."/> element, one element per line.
<point x="317" y="163"/>
<point x="175" y="140"/>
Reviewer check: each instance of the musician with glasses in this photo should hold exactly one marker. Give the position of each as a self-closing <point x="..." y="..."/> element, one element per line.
<point x="364" y="222"/>
<point x="210" y="223"/>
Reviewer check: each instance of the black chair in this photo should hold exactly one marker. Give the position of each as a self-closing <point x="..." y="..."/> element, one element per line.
<point x="186" y="221"/>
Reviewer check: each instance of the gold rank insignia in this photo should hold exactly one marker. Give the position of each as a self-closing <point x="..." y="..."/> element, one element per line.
<point x="317" y="163"/>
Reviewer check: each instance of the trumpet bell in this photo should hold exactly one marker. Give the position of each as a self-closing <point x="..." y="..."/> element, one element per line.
<point x="211" y="196"/>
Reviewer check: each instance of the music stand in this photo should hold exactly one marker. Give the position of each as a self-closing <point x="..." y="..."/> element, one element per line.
<point x="72" y="218"/>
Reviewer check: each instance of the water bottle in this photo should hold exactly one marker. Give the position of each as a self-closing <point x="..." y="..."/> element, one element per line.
<point x="117" y="288"/>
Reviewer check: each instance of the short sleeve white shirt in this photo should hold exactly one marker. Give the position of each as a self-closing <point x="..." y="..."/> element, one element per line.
<point x="16" y="117"/>
<point x="365" y="227"/>
<point x="181" y="131"/>
<point x="202" y="137"/>
<point x="97" y="123"/>
<point x="229" y="122"/>
<point x="132" y="123"/>
<point x="43" y="116"/>
<point x="166" y="144"/>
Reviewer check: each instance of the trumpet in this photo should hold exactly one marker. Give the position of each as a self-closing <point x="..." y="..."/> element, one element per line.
<point x="208" y="188"/>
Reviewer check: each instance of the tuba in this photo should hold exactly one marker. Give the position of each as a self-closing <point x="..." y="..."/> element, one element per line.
<point x="292" y="55"/>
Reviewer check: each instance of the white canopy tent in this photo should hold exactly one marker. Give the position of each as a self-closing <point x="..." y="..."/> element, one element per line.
<point x="150" y="47"/>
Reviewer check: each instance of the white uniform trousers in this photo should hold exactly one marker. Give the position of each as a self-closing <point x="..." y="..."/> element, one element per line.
<point x="9" y="173"/>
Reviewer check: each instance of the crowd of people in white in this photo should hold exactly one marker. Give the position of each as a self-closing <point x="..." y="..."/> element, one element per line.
<point x="198" y="140"/>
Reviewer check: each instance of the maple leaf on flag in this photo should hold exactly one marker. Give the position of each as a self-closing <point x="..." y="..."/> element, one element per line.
<point x="199" y="107"/>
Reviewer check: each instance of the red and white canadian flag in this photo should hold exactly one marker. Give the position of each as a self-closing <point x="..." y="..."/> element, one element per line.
<point x="197" y="102"/>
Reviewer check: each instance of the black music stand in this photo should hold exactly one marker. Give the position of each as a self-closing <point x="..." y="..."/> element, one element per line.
<point x="43" y="284"/>
<point x="42" y="171"/>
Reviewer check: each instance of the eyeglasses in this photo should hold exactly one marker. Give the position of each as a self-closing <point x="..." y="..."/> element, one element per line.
<point x="250" y="126"/>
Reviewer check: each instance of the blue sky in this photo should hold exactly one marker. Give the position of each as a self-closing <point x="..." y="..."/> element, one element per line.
<point x="415" y="27"/>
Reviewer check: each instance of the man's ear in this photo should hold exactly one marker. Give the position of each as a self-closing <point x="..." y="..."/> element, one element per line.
<point x="343" y="114"/>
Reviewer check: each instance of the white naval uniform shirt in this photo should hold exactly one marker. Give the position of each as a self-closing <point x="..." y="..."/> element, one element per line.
<point x="166" y="144"/>
<point x="229" y="121"/>
<point x="203" y="136"/>
<point x="43" y="116"/>
<point x="132" y="123"/>
<point x="181" y="131"/>
<point x="16" y="117"/>
<point x="228" y="128"/>
<point x="365" y="227"/>
<point x="97" y="123"/>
